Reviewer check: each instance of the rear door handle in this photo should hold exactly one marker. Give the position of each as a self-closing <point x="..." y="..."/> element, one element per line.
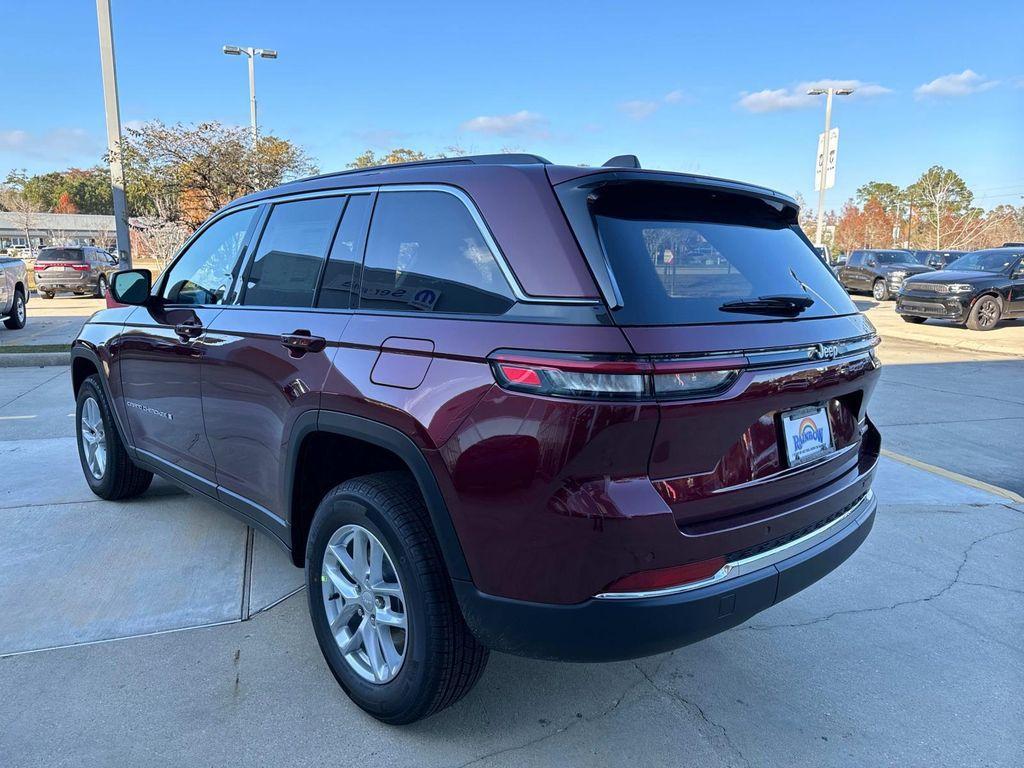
<point x="301" y="341"/>
<point x="188" y="330"/>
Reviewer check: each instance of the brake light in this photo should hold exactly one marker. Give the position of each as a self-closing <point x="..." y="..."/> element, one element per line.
<point x="40" y="267"/>
<point x="592" y="376"/>
<point x="80" y="267"/>
<point x="665" y="578"/>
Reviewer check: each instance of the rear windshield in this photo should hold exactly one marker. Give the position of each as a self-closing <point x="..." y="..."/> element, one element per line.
<point x="682" y="256"/>
<point x="60" y="254"/>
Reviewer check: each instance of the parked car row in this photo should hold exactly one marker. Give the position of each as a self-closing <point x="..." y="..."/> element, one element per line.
<point x="977" y="289"/>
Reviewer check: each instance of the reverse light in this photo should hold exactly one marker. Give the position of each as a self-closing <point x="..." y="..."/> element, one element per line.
<point x="665" y="578"/>
<point x="582" y="376"/>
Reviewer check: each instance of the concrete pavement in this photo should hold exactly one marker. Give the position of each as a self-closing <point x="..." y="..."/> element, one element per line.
<point x="1007" y="338"/>
<point x="911" y="653"/>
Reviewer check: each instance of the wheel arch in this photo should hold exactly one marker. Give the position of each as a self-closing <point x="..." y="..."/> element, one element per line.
<point x="84" y="363"/>
<point x="386" y="442"/>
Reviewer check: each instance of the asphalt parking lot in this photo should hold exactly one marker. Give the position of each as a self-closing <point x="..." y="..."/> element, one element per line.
<point x="161" y="632"/>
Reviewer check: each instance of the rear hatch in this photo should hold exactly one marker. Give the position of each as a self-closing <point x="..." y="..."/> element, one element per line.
<point x="724" y="277"/>
<point x="61" y="263"/>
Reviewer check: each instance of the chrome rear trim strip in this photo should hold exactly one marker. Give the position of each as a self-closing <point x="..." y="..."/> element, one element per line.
<point x="763" y="560"/>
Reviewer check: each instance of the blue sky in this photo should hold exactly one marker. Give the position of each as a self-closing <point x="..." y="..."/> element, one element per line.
<point x="713" y="88"/>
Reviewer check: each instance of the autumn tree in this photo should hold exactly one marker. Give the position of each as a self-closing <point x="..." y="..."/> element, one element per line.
<point x="891" y="197"/>
<point x="208" y="164"/>
<point x="368" y="159"/>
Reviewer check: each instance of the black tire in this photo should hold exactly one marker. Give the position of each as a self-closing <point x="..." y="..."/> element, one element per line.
<point x="121" y="479"/>
<point x="16" y="320"/>
<point x="880" y="291"/>
<point x="101" y="287"/>
<point x="443" y="660"/>
<point x="915" y="319"/>
<point x="985" y="314"/>
<point x="45" y="295"/>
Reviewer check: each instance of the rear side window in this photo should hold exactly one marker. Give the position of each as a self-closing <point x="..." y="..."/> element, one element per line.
<point x="204" y="273"/>
<point x="425" y="253"/>
<point x="291" y="253"/>
<point x="685" y="256"/>
<point x="339" y="287"/>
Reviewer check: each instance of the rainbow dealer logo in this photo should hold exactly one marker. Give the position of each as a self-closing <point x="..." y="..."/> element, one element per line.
<point x="808" y="432"/>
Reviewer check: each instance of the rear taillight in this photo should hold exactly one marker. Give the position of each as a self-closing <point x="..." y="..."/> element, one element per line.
<point x="80" y="267"/>
<point x="666" y="578"/>
<point x="40" y="267"/>
<point x="588" y="376"/>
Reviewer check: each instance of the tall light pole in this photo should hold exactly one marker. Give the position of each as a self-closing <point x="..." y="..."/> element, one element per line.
<point x="251" y="53"/>
<point x="829" y="93"/>
<point x="113" y="113"/>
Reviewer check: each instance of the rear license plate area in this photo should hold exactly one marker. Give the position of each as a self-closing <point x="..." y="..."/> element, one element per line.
<point x="806" y="434"/>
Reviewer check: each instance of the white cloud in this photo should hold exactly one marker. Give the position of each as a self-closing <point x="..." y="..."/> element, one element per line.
<point x="963" y="84"/>
<point x="521" y="123"/>
<point x="641" y="109"/>
<point x="777" y="99"/>
<point x="57" y="145"/>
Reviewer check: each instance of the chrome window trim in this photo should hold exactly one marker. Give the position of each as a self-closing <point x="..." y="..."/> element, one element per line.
<point x="517" y="291"/>
<point x="763" y="560"/>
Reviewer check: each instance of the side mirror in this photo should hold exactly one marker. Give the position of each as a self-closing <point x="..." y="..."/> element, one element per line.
<point x="131" y="286"/>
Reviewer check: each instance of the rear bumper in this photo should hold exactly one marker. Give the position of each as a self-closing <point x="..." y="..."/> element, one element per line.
<point x="82" y="281"/>
<point x="602" y="629"/>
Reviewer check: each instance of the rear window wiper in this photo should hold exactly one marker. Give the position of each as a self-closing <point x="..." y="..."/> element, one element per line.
<point x="786" y="306"/>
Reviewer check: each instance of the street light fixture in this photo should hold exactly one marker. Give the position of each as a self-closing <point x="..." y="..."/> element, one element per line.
<point x="828" y="92"/>
<point x="251" y="54"/>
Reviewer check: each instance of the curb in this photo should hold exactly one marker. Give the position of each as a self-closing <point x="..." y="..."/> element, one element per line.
<point x="34" y="359"/>
<point x="956" y="476"/>
<point x="970" y="345"/>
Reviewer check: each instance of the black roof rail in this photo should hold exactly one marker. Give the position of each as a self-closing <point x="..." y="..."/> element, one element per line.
<point x="1012" y="245"/>
<point x="499" y="159"/>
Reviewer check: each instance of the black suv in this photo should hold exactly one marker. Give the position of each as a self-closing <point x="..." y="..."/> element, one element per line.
<point x="937" y="259"/>
<point x="881" y="272"/>
<point x="977" y="290"/>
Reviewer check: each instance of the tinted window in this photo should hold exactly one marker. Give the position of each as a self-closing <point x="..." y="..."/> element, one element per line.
<point x="425" y="253"/>
<point x="893" y="257"/>
<point x="205" y="271"/>
<point x="61" y="254"/>
<point x="338" y="289"/>
<point x="681" y="256"/>
<point x="855" y="259"/>
<point x="985" y="261"/>
<point x="287" y="263"/>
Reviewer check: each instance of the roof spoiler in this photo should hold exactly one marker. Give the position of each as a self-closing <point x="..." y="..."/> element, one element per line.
<point x="623" y="161"/>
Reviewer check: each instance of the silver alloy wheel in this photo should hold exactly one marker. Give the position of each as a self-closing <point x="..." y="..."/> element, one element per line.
<point x="365" y="604"/>
<point x="103" y="287"/>
<point x="878" y="290"/>
<point x="19" y="308"/>
<point x="94" y="438"/>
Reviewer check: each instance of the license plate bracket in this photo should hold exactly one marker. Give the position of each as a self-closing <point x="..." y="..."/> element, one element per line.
<point x="806" y="434"/>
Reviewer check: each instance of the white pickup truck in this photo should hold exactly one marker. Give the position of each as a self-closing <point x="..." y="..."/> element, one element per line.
<point x="13" y="292"/>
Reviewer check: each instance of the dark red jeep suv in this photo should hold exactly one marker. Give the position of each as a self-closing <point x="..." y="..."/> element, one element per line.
<point x="494" y="403"/>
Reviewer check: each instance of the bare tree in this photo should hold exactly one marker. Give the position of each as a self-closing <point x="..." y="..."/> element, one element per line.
<point x="941" y="198"/>
<point x="14" y="199"/>
<point x="158" y="239"/>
